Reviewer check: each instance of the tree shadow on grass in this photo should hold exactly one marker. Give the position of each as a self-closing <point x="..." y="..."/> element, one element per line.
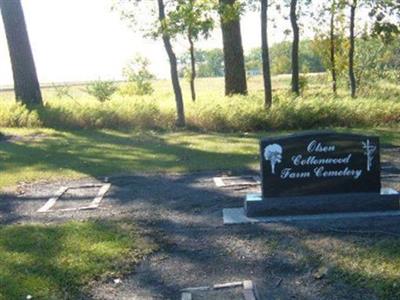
<point x="103" y="153"/>
<point x="8" y="209"/>
<point x="57" y="261"/>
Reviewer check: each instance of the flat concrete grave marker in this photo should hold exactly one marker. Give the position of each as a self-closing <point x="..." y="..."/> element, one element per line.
<point x="233" y="181"/>
<point x="319" y="173"/>
<point x="242" y="290"/>
<point x="74" y="198"/>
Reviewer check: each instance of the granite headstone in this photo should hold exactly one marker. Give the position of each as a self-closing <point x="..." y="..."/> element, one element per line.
<point x="319" y="172"/>
<point x="320" y="163"/>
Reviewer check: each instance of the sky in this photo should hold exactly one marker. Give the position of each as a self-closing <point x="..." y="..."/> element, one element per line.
<point x="80" y="40"/>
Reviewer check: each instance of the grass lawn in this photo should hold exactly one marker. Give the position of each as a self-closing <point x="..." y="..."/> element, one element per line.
<point x="57" y="261"/>
<point x="369" y="261"/>
<point x="375" y="265"/>
<point x="52" y="154"/>
<point x="364" y="261"/>
<point x="59" y="154"/>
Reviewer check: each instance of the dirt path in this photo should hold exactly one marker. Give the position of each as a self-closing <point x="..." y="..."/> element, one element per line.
<point x="183" y="214"/>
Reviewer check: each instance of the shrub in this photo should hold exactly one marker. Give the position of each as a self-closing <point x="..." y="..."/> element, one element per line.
<point x="17" y="115"/>
<point x="138" y="77"/>
<point x="101" y="90"/>
<point x="303" y="83"/>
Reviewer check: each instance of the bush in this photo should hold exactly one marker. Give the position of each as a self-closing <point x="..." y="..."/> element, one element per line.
<point x="303" y="83"/>
<point x="138" y="77"/>
<point x="101" y="90"/>
<point x="62" y="91"/>
<point x="17" y="115"/>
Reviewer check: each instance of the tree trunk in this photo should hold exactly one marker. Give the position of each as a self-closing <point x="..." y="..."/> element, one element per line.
<point x="180" y="122"/>
<point x="193" y="66"/>
<point x="295" y="48"/>
<point x="333" y="48"/>
<point x="26" y="84"/>
<point x="235" y="73"/>
<point x="353" y="84"/>
<point x="265" y="54"/>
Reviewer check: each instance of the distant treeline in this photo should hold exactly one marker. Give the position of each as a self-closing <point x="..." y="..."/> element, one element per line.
<point x="210" y="63"/>
<point x="280" y="57"/>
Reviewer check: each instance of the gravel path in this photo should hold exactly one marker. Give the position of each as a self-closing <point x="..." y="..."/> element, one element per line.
<point x="183" y="214"/>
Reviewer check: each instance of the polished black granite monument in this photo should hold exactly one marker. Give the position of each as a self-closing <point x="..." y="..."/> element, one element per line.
<point x="320" y="172"/>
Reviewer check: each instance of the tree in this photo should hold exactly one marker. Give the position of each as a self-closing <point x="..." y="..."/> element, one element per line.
<point x="332" y="46"/>
<point x="386" y="16"/>
<point x="295" y="48"/>
<point x="329" y="39"/>
<point x="210" y="63"/>
<point x="312" y="56"/>
<point x="370" y="66"/>
<point x="235" y="73"/>
<point x="295" y="12"/>
<point x="193" y="19"/>
<point x="265" y="54"/>
<point x="192" y="60"/>
<point x="385" y="23"/>
<point x="253" y="60"/>
<point x="160" y="27"/>
<point x="26" y="84"/>
<point x="173" y="65"/>
<point x="352" y="77"/>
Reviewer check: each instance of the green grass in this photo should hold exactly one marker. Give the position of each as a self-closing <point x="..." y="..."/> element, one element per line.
<point x="61" y="154"/>
<point x="58" y="261"/>
<point x="58" y="154"/>
<point x="372" y="265"/>
<point x="370" y="262"/>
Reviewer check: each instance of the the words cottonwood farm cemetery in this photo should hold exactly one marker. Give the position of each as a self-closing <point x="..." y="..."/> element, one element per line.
<point x="321" y="169"/>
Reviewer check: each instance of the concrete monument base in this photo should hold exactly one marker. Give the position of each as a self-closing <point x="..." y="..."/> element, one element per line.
<point x="257" y="206"/>
<point x="232" y="216"/>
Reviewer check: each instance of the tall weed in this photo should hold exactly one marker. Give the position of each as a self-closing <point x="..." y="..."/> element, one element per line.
<point x="211" y="112"/>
